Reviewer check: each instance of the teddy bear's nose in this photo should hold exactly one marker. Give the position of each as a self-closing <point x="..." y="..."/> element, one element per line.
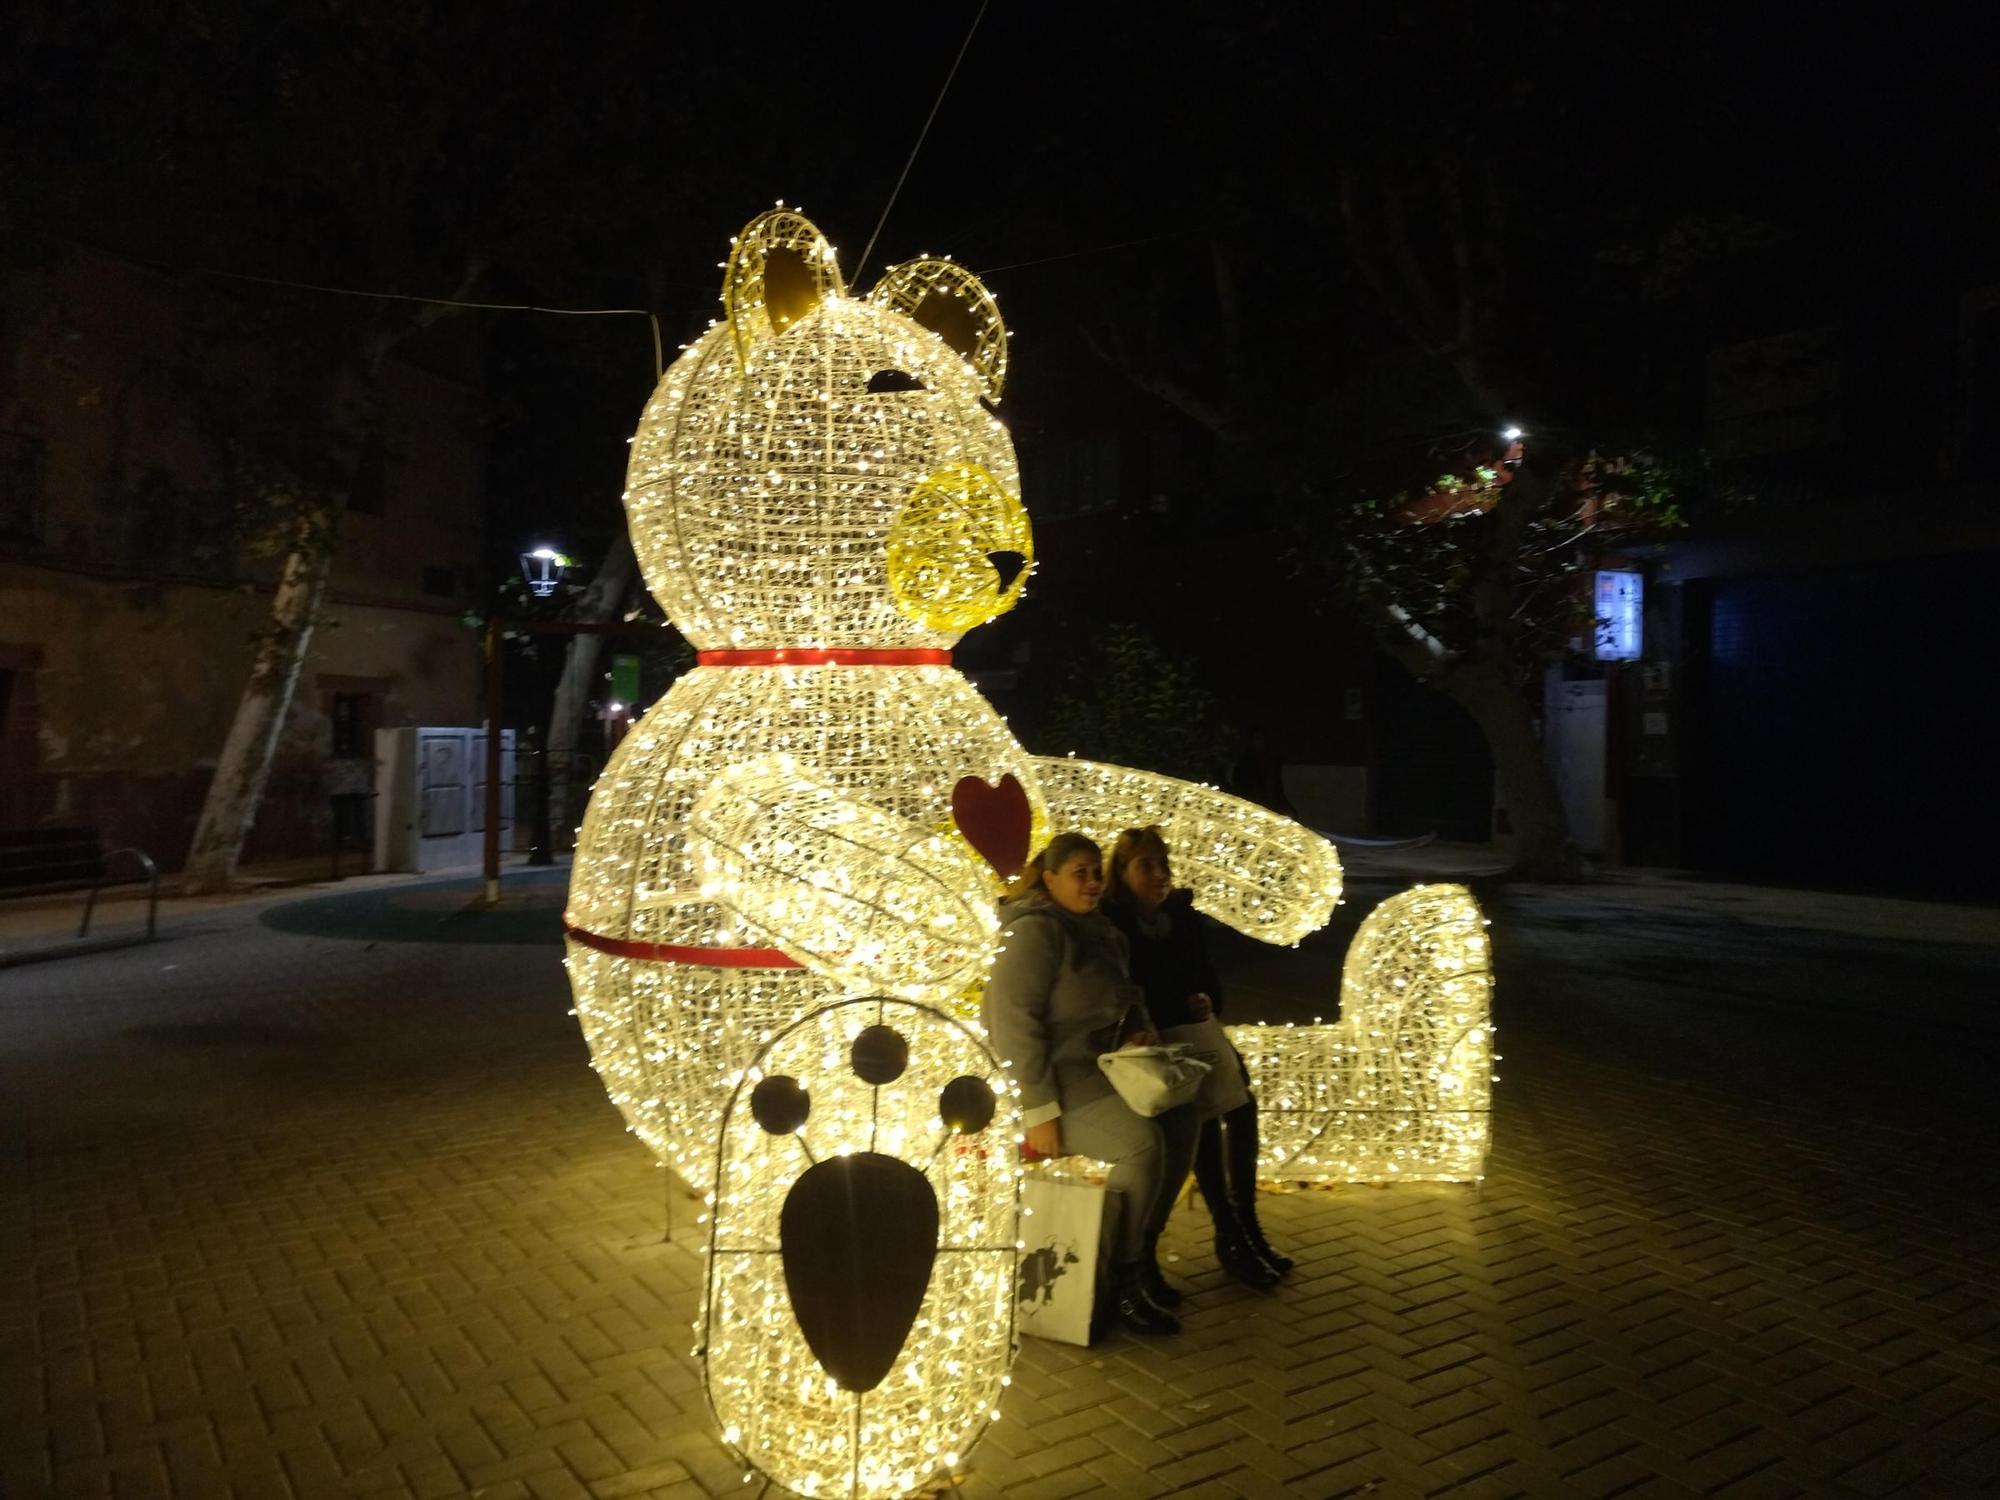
<point x="1008" y="565"/>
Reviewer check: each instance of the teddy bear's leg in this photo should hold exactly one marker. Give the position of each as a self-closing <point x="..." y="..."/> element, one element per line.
<point x="1401" y="1088"/>
<point x="668" y="1039"/>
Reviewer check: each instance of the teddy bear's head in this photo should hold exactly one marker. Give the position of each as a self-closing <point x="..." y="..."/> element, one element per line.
<point x="820" y="470"/>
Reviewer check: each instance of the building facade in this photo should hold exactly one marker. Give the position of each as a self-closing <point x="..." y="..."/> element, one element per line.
<point x="129" y="604"/>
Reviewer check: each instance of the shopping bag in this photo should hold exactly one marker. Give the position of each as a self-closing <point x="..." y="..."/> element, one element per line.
<point x="1223" y="1089"/>
<point x="1063" y="1230"/>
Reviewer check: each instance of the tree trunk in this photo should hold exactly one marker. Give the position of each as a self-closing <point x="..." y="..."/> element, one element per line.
<point x="1542" y="847"/>
<point x="601" y="602"/>
<point x="230" y="808"/>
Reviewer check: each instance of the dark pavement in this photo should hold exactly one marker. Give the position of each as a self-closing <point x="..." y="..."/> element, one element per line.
<point x="321" y="1199"/>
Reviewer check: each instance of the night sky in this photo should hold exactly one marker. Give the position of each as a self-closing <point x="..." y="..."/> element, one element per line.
<point x="1084" y="158"/>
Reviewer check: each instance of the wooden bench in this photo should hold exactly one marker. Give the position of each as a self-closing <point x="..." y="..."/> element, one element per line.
<point x="50" y="861"/>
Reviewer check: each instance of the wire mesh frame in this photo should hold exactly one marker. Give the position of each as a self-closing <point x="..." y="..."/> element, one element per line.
<point x="866" y="898"/>
<point x="667" y="1038"/>
<point x="761" y="493"/>
<point x="943" y="292"/>
<point x="1004" y="1126"/>
<point x="1400" y="1089"/>
<point x="1251" y="869"/>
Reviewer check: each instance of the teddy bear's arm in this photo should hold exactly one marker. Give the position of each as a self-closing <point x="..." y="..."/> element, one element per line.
<point x="867" y="900"/>
<point x="1251" y="868"/>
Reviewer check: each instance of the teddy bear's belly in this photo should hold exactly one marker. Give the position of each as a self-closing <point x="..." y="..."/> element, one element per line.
<point x="671" y="1003"/>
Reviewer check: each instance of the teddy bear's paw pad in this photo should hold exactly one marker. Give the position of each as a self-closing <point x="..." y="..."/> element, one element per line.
<point x="859" y="1236"/>
<point x="779" y="1105"/>
<point x="859" y="1233"/>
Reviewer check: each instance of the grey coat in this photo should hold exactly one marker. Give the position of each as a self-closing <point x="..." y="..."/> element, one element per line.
<point x="1059" y="994"/>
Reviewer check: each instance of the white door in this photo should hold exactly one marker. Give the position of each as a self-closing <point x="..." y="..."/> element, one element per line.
<point x="1574" y="730"/>
<point x="433" y="813"/>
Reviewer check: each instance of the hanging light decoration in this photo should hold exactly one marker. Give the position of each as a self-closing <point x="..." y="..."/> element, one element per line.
<point x="859" y="1318"/>
<point x="1400" y="1089"/>
<point x="822" y="501"/>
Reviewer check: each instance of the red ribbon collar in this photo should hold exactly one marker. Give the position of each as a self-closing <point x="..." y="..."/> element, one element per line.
<point x="823" y="656"/>
<point x="682" y="953"/>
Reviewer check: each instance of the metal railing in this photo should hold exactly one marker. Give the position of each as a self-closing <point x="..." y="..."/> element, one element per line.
<point x="150" y="873"/>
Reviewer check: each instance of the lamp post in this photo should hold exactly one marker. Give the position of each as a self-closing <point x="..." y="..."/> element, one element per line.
<point x="542" y="568"/>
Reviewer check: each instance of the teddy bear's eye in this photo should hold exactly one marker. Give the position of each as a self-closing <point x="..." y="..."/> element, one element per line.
<point x="884" y="381"/>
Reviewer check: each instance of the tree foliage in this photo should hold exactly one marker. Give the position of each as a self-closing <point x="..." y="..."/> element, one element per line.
<point x="1462" y="262"/>
<point x="1434" y="566"/>
<point x="1123" y="698"/>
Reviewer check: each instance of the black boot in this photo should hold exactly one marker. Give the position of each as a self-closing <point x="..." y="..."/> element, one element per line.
<point x="1135" y="1310"/>
<point x="1253" y="1233"/>
<point x="1162" y="1291"/>
<point x="1239" y="1256"/>
<point x="1242" y="1152"/>
<point x="1233" y="1245"/>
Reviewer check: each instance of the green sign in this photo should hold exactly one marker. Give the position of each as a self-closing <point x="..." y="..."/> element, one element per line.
<point x="625" y="680"/>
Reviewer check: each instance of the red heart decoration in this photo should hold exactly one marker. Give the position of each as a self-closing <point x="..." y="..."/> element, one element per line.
<point x="995" y="820"/>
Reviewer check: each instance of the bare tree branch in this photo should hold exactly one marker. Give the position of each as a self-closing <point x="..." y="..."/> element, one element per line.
<point x="1371" y="270"/>
<point x="1416" y="285"/>
<point x="1465" y="335"/>
<point x="1108" y="345"/>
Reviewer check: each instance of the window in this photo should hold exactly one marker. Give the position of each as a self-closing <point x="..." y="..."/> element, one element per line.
<point x="350" y="717"/>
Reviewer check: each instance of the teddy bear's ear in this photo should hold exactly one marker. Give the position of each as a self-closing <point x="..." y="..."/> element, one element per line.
<point x="780" y="268"/>
<point x="955" y="305"/>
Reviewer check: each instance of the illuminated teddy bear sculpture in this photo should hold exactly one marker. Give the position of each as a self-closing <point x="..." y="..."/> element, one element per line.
<point x="782" y="902"/>
<point x="823" y="808"/>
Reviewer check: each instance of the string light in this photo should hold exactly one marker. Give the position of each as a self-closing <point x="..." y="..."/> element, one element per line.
<point x="876" y="901"/>
<point x="786" y="454"/>
<point x="771" y="1396"/>
<point x="822" y="502"/>
<point x="1250" y="868"/>
<point x="1400" y="1089"/>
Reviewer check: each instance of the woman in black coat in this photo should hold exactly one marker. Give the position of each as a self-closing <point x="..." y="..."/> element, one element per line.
<point x="1170" y="962"/>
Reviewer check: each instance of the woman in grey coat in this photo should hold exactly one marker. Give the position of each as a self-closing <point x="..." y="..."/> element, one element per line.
<point x="1060" y="994"/>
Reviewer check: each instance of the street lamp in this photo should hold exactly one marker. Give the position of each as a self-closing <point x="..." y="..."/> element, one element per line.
<point x="543" y="569"/>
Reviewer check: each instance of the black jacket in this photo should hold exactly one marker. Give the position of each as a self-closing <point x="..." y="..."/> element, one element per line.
<point x="1169" y="968"/>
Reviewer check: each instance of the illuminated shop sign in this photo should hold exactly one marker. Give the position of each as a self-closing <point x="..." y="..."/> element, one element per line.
<point x="1621" y="600"/>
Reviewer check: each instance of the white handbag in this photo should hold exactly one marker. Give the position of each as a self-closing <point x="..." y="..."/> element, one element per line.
<point x="1153" y="1080"/>
<point x="1223" y="1089"/>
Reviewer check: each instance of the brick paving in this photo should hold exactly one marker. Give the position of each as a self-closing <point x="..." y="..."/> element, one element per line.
<point x="319" y="1205"/>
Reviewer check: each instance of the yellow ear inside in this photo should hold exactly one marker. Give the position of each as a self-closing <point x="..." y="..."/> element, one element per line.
<point x="955" y="305"/>
<point x="780" y="269"/>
